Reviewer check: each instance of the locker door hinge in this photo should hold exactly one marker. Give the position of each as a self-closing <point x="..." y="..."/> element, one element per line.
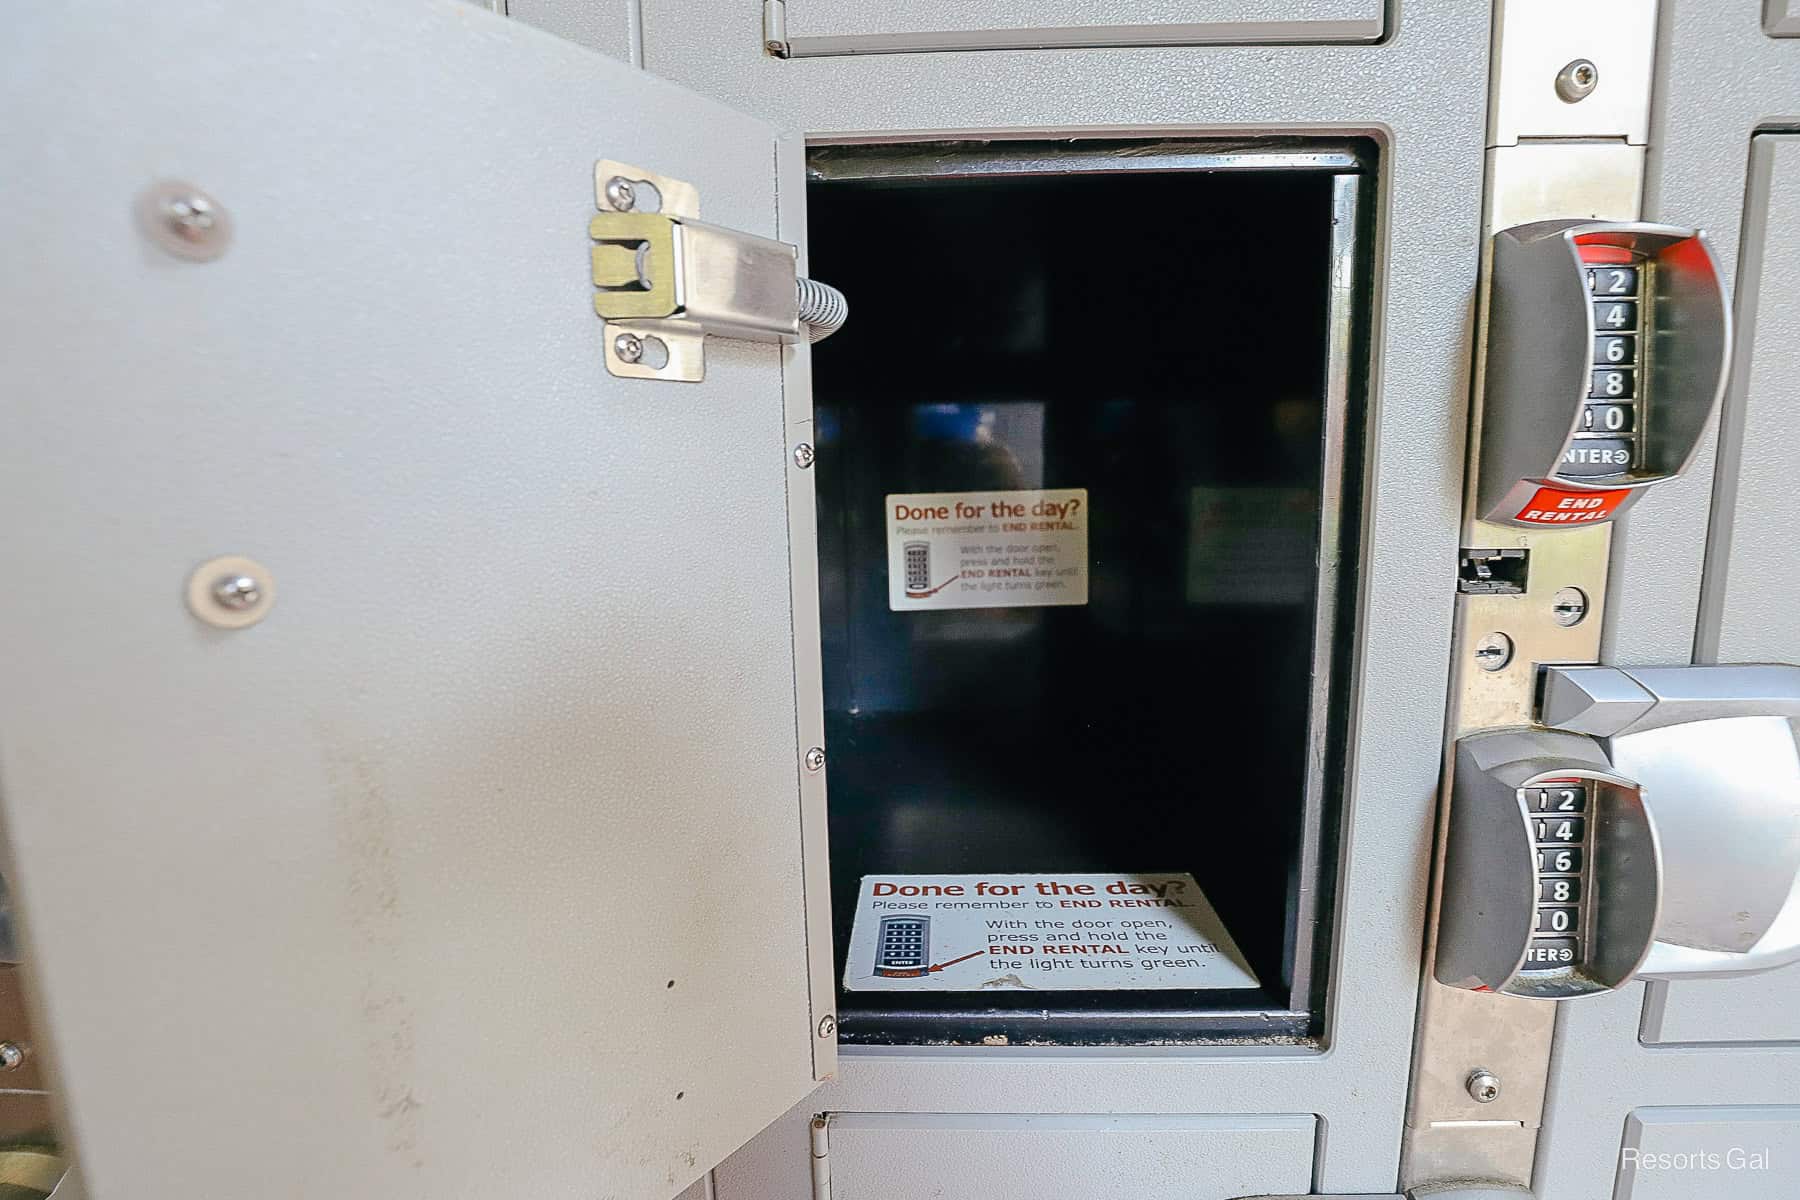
<point x="775" y="39"/>
<point x="821" y="1160"/>
<point x="664" y="280"/>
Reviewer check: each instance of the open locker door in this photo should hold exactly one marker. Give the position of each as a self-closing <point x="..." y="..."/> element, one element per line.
<point x="470" y="845"/>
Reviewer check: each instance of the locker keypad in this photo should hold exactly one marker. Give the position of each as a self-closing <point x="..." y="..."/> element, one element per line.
<point x="902" y="944"/>
<point x="1575" y="431"/>
<point x="1559" y="832"/>
<point x="1605" y="442"/>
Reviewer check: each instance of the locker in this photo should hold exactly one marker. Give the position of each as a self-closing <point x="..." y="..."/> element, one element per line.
<point x="803" y="598"/>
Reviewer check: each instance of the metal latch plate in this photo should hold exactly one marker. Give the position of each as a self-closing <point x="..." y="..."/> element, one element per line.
<point x="663" y="280"/>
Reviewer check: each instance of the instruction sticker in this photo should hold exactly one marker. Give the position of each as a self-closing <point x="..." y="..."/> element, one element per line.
<point x="973" y="933"/>
<point x="1252" y="545"/>
<point x="1012" y="549"/>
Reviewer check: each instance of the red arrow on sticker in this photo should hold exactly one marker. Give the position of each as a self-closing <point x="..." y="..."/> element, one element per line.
<point x="912" y="595"/>
<point x="954" y="961"/>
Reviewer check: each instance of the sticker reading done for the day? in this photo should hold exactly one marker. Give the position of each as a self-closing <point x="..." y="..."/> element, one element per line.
<point x="1011" y="549"/>
<point x="1086" y="932"/>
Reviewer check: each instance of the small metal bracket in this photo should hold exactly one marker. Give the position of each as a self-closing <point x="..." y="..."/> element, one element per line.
<point x="1540" y="86"/>
<point x="1548" y="159"/>
<point x="664" y="280"/>
<point x="775" y="40"/>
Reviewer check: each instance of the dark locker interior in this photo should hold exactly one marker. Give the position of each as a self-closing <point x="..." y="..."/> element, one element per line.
<point x="1162" y="338"/>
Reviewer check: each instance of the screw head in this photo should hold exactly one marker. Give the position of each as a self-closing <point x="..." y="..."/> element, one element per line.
<point x="1569" y="606"/>
<point x="1493" y="651"/>
<point x="12" y="1056"/>
<point x="1484" y="1086"/>
<point x="230" y="592"/>
<point x="1577" y="81"/>
<point x="183" y="220"/>
<point x="621" y="194"/>
<point x="804" y="455"/>
<point x="815" y="759"/>
<point x="192" y="216"/>
<point x="237" y="592"/>
<point x="629" y="347"/>
<point x="827" y="1025"/>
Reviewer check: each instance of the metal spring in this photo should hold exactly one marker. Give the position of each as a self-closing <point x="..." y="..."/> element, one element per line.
<point x="822" y="308"/>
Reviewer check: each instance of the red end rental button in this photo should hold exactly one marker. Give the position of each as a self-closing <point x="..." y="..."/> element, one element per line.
<point x="1553" y="506"/>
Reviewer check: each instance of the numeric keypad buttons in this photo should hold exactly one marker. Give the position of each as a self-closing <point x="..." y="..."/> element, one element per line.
<point x="1597" y="456"/>
<point x="1615" y="350"/>
<point x="1616" y="384"/>
<point x="1560" y="861"/>
<point x="1563" y="798"/>
<point x="1607" y="418"/>
<point x="1556" y="920"/>
<point x="1559" y="891"/>
<point x="1559" y="833"/>
<point x="1606" y="435"/>
<point x="1613" y="281"/>
<point x="1548" y="953"/>
<point x="1616" y="316"/>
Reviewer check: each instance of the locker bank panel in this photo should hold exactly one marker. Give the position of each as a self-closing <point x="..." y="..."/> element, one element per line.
<point x="1702" y="570"/>
<point x="1006" y="1156"/>
<point x="1759" y="1009"/>
<point x="607" y="26"/>
<point x="803" y="28"/>
<point x="1423" y="258"/>
<point x="1741" y="1152"/>
<point x="1747" y="599"/>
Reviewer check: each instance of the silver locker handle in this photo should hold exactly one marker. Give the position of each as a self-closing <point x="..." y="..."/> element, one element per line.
<point x="1715" y="751"/>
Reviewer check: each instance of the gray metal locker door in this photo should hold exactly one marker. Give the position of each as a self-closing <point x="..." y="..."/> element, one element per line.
<point x="1685" y="1089"/>
<point x="475" y="867"/>
<point x="805" y="28"/>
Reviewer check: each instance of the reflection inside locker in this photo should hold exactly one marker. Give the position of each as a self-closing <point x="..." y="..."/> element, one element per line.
<point x="1166" y="335"/>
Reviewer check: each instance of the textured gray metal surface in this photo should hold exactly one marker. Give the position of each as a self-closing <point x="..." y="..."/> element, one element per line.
<point x="1750" y="610"/>
<point x="1720" y="79"/>
<point x="1009" y="1156"/>
<point x="877" y="26"/>
<point x="1600" y="1073"/>
<point x="1420" y="92"/>
<point x="1758" y="1008"/>
<point x="1736" y="1153"/>
<point x="609" y="26"/>
<point x="474" y="868"/>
